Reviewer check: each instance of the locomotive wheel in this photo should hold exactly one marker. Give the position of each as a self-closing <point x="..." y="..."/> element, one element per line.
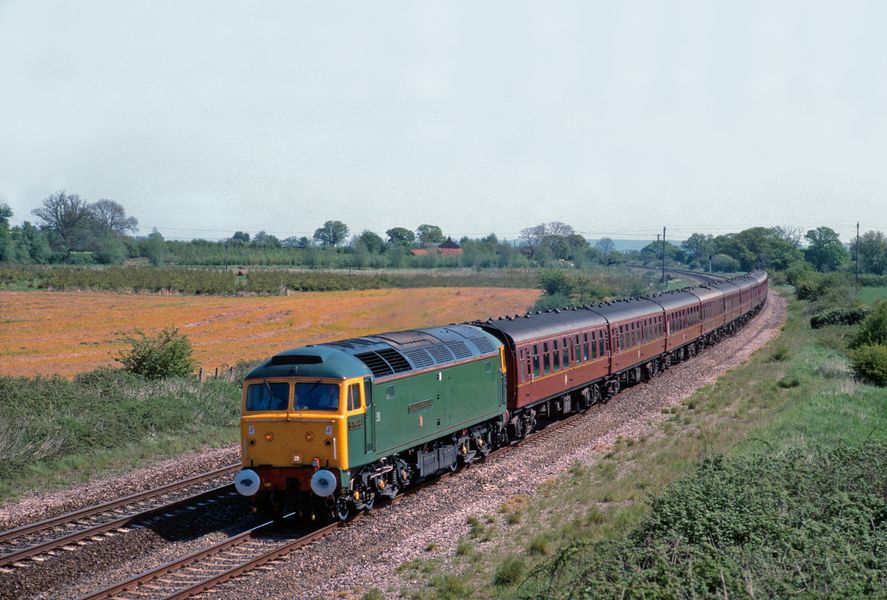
<point x="343" y="510"/>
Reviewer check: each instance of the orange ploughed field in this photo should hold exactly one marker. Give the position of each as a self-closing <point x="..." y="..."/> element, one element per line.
<point x="66" y="333"/>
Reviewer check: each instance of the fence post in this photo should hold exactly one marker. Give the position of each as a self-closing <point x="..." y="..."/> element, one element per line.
<point x="200" y="374"/>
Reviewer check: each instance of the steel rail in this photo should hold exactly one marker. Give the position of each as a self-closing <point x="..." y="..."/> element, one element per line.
<point x="112" y="504"/>
<point x="133" y="583"/>
<point x="94" y="530"/>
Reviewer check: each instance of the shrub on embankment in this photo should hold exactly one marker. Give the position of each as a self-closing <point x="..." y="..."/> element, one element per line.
<point x="810" y="522"/>
<point x="54" y="430"/>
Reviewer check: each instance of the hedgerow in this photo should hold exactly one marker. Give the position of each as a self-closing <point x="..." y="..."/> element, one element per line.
<point x="837" y="316"/>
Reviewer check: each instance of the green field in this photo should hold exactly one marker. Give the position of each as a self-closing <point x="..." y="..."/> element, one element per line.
<point x="791" y="424"/>
<point x="871" y="294"/>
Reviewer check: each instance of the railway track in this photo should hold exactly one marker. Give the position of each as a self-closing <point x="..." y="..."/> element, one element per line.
<point x="72" y="529"/>
<point x="203" y="570"/>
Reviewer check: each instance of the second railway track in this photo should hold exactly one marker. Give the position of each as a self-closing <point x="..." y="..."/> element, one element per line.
<point x="64" y="531"/>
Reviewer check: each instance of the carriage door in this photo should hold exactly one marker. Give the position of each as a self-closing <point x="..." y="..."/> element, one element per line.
<point x="369" y="416"/>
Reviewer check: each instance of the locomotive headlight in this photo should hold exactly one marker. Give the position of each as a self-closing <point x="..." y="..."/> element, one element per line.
<point x="269" y="436"/>
<point x="246" y="482"/>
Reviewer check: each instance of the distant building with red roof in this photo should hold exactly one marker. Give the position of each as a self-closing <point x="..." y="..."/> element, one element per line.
<point x="447" y="247"/>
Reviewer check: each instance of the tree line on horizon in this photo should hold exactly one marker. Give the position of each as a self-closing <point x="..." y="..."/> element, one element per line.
<point x="71" y="230"/>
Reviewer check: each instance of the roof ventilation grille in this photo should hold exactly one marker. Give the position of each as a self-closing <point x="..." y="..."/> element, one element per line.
<point x="376" y="363"/>
<point x="483" y="345"/>
<point x="459" y="349"/>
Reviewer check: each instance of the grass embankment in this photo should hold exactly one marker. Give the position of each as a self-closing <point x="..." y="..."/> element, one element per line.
<point x="55" y="432"/>
<point x="782" y="490"/>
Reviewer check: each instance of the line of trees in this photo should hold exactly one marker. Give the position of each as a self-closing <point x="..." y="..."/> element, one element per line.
<point x="72" y="230"/>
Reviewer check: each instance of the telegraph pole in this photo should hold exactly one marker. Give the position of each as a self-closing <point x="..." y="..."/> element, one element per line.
<point x="226" y="254"/>
<point x="857" y="254"/>
<point x="663" y="257"/>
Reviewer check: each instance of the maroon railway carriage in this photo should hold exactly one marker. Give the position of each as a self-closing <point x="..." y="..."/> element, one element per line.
<point x="561" y="360"/>
<point x="711" y="302"/>
<point x="549" y="353"/>
<point x="683" y="317"/>
<point x="731" y="299"/>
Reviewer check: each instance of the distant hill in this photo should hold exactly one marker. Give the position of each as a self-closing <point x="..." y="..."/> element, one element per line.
<point x="626" y="245"/>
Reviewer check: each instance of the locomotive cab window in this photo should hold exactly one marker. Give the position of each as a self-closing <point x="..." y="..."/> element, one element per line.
<point x="267" y="396"/>
<point x="353" y="396"/>
<point x="317" y="396"/>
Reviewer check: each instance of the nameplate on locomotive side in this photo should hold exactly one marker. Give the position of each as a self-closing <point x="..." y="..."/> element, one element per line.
<point x="420" y="405"/>
<point x="355" y="424"/>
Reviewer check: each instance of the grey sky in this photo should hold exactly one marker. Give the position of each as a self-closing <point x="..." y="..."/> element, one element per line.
<point x="202" y="118"/>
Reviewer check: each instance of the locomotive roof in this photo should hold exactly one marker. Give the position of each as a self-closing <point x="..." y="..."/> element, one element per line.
<point x="382" y="355"/>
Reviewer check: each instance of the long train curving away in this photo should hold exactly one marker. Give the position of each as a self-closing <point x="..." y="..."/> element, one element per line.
<point x="330" y="428"/>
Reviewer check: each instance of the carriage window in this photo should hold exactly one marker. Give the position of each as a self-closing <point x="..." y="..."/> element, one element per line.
<point x="522" y="363"/>
<point x="602" y="346"/>
<point x="353" y="396"/>
<point x="585" y="347"/>
<point x="535" y="361"/>
<point x="565" y="353"/>
<point x="577" y="352"/>
<point x="556" y="357"/>
<point x="546" y="359"/>
<point x="267" y="396"/>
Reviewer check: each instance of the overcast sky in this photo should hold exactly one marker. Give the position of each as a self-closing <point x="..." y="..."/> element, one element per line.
<point x="203" y="118"/>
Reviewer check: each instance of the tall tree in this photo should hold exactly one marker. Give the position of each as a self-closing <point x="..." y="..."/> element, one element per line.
<point x="370" y="241"/>
<point x="429" y="234"/>
<point x="333" y="233"/>
<point x="825" y="250"/>
<point x="872" y="252"/>
<point x="241" y="237"/>
<point x="65" y="215"/>
<point x="109" y="218"/>
<point x="400" y="236"/>
<point x="605" y="246"/>
<point x="155" y="248"/>
<point x="699" y="247"/>
<point x="264" y="239"/>
<point x="5" y="242"/>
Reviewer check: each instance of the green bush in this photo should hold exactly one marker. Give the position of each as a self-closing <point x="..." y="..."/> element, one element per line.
<point x="168" y="354"/>
<point x="814" y="286"/>
<point x="870" y="363"/>
<point x="837" y="316"/>
<point x="873" y="329"/>
<point x="801" y="523"/>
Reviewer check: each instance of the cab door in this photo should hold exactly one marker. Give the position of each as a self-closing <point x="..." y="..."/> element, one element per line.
<point x="369" y="417"/>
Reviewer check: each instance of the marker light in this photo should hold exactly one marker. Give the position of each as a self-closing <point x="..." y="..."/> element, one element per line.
<point x="297" y="459"/>
<point x="269" y="436"/>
